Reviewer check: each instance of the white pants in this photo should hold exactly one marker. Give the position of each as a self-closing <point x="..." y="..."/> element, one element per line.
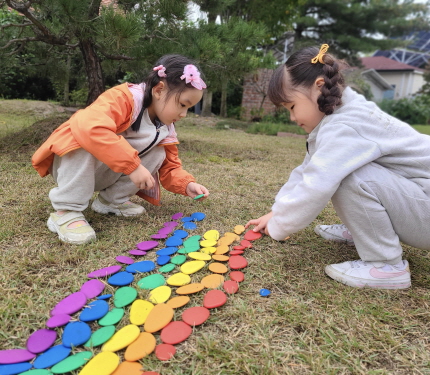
<point x="79" y="174"/>
<point x="382" y="208"/>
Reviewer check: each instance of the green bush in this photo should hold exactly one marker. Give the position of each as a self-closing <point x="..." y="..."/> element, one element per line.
<point x="273" y="128"/>
<point x="414" y="111"/>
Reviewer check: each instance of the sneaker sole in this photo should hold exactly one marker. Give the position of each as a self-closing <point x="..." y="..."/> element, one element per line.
<point x="360" y="283"/>
<point x="321" y="234"/>
<point x="53" y="228"/>
<point x="103" y="209"/>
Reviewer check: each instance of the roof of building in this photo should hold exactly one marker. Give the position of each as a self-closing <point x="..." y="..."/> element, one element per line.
<point x="384" y="63"/>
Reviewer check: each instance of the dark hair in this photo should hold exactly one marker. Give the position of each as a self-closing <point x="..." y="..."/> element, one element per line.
<point x="174" y="65"/>
<point x="299" y="72"/>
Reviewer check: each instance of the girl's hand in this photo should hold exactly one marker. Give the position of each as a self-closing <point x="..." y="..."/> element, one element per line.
<point x="193" y="189"/>
<point x="142" y="178"/>
<point x="260" y="223"/>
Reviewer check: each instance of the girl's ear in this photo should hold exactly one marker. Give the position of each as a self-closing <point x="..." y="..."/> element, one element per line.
<point x="319" y="82"/>
<point x="157" y="90"/>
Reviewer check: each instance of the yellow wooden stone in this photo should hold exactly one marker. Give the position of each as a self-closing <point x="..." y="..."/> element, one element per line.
<point x="212" y="281"/>
<point x="208" y="243"/>
<point x="211" y="235"/>
<point x="139" y="311"/>
<point x="178" y="301"/>
<point x="239" y="229"/>
<point x="222" y="249"/>
<point x="190" y="288"/>
<point x="218" y="267"/>
<point x="159" y="317"/>
<point x="160" y="294"/>
<point x="124" y="337"/>
<point x="220" y="258"/>
<point x="208" y="250"/>
<point x="103" y="363"/>
<point x="178" y="279"/>
<point x="198" y="255"/>
<point x="192" y="266"/>
<point x="141" y="347"/>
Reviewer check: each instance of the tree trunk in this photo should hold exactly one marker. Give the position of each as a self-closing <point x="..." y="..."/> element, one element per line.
<point x="66" y="97"/>
<point x="93" y="69"/>
<point x="223" y="109"/>
<point x="207" y="103"/>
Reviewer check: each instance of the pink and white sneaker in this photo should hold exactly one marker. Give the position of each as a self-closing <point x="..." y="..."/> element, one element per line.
<point x="335" y="232"/>
<point x="362" y="274"/>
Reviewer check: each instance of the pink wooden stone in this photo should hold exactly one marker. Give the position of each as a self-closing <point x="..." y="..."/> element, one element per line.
<point x="214" y="298"/>
<point x="252" y="236"/>
<point x="124" y="259"/>
<point x="103" y="272"/>
<point x="164" y="351"/>
<point x="177" y="216"/>
<point x="92" y="288"/>
<point x="196" y="315"/>
<point x="236" y="252"/>
<point x="237" y="262"/>
<point x="58" y="320"/>
<point x="237" y="276"/>
<point x="69" y="305"/>
<point x="175" y="332"/>
<point x="137" y="252"/>
<point x="41" y="340"/>
<point x="230" y="286"/>
<point x="147" y="245"/>
<point x="16" y="356"/>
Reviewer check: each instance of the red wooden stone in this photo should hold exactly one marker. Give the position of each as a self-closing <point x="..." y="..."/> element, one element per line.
<point x="150" y="373"/>
<point x="237" y="276"/>
<point x="237" y="262"/>
<point x="246" y="244"/>
<point x="196" y="315"/>
<point x="214" y="298"/>
<point x="236" y="252"/>
<point x="239" y="247"/>
<point x="175" y="332"/>
<point x="230" y="286"/>
<point x="164" y="351"/>
<point x="252" y="236"/>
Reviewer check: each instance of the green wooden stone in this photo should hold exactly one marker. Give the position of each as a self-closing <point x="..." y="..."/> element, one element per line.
<point x="179" y="259"/>
<point x="37" y="372"/>
<point x="100" y="336"/>
<point x="151" y="282"/>
<point x="189" y="249"/>
<point x="167" y="268"/>
<point x="112" y="317"/>
<point x="72" y="363"/>
<point x="124" y="296"/>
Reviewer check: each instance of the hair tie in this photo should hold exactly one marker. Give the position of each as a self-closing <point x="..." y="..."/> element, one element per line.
<point x="321" y="53"/>
<point x="192" y="75"/>
<point x="161" y="71"/>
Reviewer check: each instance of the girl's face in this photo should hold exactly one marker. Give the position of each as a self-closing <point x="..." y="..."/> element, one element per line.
<point x="172" y="109"/>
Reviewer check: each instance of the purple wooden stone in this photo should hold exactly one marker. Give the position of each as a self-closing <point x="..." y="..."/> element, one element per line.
<point x="124" y="259"/>
<point x="147" y="245"/>
<point x="177" y="216"/>
<point x="58" y="320"/>
<point x="137" y="252"/>
<point x="92" y="288"/>
<point x="104" y="271"/>
<point x="170" y="224"/>
<point x="15" y="356"/>
<point x="41" y="340"/>
<point x="158" y="236"/>
<point x="69" y="305"/>
<point x="165" y="230"/>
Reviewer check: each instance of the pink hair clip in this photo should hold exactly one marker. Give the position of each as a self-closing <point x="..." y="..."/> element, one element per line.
<point x="161" y="71"/>
<point x="192" y="75"/>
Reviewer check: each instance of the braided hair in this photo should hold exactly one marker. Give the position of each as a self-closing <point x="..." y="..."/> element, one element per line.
<point x="299" y="72"/>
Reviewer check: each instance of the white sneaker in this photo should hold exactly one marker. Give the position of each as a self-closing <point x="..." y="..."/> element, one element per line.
<point x="335" y="232"/>
<point x="78" y="235"/>
<point x="362" y="274"/>
<point x="128" y="208"/>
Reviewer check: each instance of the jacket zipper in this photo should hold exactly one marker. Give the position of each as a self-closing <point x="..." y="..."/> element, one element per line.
<point x="153" y="141"/>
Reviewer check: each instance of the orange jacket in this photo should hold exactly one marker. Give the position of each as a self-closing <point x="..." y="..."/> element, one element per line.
<point x="96" y="130"/>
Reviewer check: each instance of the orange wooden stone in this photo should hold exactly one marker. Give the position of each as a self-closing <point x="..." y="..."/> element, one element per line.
<point x="246" y="244"/>
<point x="196" y="315"/>
<point x="141" y="347"/>
<point x="179" y="301"/>
<point x="239" y="229"/>
<point x="212" y="281"/>
<point x="128" y="368"/>
<point x="226" y="241"/>
<point x="190" y="288"/>
<point x="237" y="276"/>
<point x="230" y="286"/>
<point x="220" y="258"/>
<point x="164" y="351"/>
<point x="158" y="318"/>
<point x="175" y="332"/>
<point x="221" y="249"/>
<point x="237" y="262"/>
<point x="252" y="236"/>
<point x="218" y="267"/>
<point x="214" y="298"/>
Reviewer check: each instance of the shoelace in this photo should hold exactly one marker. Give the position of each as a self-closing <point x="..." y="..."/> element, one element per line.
<point x="357" y="263"/>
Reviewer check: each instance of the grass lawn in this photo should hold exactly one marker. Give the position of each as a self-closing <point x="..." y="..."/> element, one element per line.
<point x="310" y="324"/>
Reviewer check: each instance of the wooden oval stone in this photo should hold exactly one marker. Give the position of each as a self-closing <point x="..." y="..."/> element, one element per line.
<point x="175" y="332"/>
<point x="218" y="267"/>
<point x="167" y="251"/>
<point x="112" y="317"/>
<point x="252" y="236"/>
<point x="239" y="229"/>
<point x="92" y="288"/>
<point x="197" y="255"/>
<point x="177" y="216"/>
<point x="137" y="252"/>
<point x="173" y="241"/>
<point x="178" y="259"/>
<point x="208" y="243"/>
<point x="129" y="368"/>
<point x="179" y="279"/>
<point x="143" y="266"/>
<point x="196" y="315"/>
<point x="16" y="368"/>
<point x="179" y="301"/>
<point x="36" y="372"/>
<point x="41" y="340"/>
<point x="180" y="233"/>
<point x="147" y="245"/>
<point x="124" y="259"/>
<point x="158" y="318"/>
<point x="211" y="235"/>
<point x="236" y="252"/>
<point x="94" y="311"/>
<point x="75" y="334"/>
<point x="237" y="262"/>
<point x="238" y="276"/>
<point x="220" y="258"/>
<point x="230" y="286"/>
<point x="69" y="305"/>
<point x="124" y="296"/>
<point x="11" y="356"/>
<point x="72" y="363"/>
<point x="123" y="338"/>
<point x="212" y="281"/>
<point x="190" y="288"/>
<point x="51" y="357"/>
<point x="198" y="216"/>
<point x="121" y="279"/>
<point x="139" y="311"/>
<point x="164" y="351"/>
<point x="214" y="298"/>
<point x="151" y="282"/>
<point x="103" y="363"/>
<point x="163" y="259"/>
<point x="221" y="249"/>
<point x="141" y="347"/>
<point x="58" y="320"/>
<point x="245" y="243"/>
<point x="160" y="294"/>
<point x="192" y="266"/>
<point x="190" y="226"/>
<point x="103" y="272"/>
<point x="239" y="247"/>
<point x="208" y="250"/>
<point x="167" y="268"/>
<point x="100" y="336"/>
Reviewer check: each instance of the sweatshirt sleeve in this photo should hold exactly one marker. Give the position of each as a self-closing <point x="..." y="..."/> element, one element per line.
<point x="340" y="150"/>
<point x="172" y="176"/>
<point x="95" y="128"/>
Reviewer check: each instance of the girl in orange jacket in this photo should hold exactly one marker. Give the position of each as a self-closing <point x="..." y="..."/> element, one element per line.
<point x="121" y="145"/>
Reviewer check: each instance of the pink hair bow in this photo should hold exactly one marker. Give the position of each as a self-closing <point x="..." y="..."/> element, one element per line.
<point x="161" y="71"/>
<point x="192" y="75"/>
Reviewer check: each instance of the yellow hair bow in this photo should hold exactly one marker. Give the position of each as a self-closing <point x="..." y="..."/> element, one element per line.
<point x="321" y="53"/>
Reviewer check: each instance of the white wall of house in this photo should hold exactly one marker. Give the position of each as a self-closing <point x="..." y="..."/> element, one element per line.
<point x="406" y="83"/>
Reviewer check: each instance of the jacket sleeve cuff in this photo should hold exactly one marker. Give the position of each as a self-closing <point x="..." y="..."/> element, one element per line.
<point x="130" y="168"/>
<point x="276" y="231"/>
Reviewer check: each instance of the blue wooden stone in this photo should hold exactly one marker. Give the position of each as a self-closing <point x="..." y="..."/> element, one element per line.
<point x="95" y="310"/>
<point x="264" y="292"/>
<point x="143" y="266"/>
<point x="198" y="216"/>
<point x="186" y="219"/>
<point x="167" y="251"/>
<point x="121" y="279"/>
<point x="15" y="368"/>
<point x="180" y="233"/>
<point x="105" y="296"/>
<point x="190" y="226"/>
<point x="163" y="259"/>
<point x="76" y="333"/>
<point x="52" y="356"/>
<point x="173" y="241"/>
